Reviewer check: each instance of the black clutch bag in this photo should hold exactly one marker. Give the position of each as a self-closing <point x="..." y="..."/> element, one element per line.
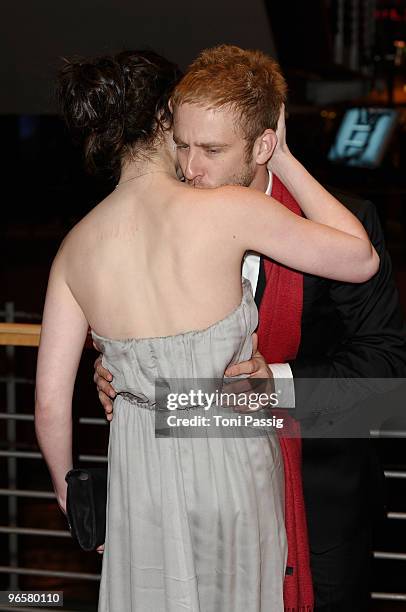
<point x="86" y="502"/>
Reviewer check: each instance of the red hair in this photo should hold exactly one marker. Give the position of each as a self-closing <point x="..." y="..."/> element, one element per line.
<point x="248" y="82"/>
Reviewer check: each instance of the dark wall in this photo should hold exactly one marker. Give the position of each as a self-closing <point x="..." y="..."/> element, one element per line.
<point x="303" y="33"/>
<point x="34" y="34"/>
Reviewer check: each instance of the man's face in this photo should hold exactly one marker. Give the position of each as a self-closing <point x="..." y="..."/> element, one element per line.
<point x="210" y="146"/>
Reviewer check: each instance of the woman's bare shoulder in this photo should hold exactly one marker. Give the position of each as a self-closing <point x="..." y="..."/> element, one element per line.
<point x="86" y="231"/>
<point x="231" y="199"/>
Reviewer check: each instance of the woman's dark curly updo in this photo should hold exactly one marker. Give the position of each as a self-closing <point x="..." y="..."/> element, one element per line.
<point x="117" y="105"/>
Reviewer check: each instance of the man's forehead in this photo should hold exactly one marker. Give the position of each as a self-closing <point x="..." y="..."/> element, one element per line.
<point x="204" y="109"/>
<point x="203" y="120"/>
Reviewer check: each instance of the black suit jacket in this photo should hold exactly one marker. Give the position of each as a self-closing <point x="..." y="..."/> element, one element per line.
<point x="348" y="330"/>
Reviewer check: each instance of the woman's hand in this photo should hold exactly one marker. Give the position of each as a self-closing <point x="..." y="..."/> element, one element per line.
<point x="61" y="502"/>
<point x="281" y="146"/>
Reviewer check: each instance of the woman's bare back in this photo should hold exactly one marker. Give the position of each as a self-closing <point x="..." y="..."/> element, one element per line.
<point x="146" y="262"/>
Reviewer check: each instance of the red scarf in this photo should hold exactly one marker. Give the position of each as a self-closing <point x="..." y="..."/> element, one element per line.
<point x="279" y="329"/>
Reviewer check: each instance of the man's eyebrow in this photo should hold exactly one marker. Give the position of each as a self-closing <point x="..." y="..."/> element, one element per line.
<point x="203" y="145"/>
<point x="212" y="145"/>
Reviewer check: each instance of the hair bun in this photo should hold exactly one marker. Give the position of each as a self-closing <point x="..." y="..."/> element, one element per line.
<point x="116" y="104"/>
<point x="91" y="93"/>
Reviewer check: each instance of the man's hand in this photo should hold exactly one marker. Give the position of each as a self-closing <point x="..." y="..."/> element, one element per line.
<point x="256" y="367"/>
<point x="103" y="378"/>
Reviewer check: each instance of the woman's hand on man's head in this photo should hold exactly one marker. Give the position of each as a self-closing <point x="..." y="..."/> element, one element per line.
<point x="281" y="146"/>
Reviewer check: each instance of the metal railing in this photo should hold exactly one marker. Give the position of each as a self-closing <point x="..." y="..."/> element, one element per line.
<point x="27" y="335"/>
<point x="17" y="334"/>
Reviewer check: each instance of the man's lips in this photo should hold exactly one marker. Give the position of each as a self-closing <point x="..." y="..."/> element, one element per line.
<point x="198" y="184"/>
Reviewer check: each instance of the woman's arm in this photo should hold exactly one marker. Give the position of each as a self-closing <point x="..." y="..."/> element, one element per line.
<point x="331" y="242"/>
<point x="316" y="202"/>
<point x="63" y="333"/>
<point x="262" y="224"/>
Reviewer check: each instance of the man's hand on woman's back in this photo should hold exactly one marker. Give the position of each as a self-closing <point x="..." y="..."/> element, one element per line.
<point x="103" y="378"/>
<point x="256" y="367"/>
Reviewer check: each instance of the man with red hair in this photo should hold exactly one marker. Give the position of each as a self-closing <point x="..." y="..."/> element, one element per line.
<point x="226" y="110"/>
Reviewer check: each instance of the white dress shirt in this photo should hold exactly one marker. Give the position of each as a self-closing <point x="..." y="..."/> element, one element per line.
<point x="282" y="372"/>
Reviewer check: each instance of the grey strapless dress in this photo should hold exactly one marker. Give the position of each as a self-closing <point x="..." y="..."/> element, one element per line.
<point x="193" y="524"/>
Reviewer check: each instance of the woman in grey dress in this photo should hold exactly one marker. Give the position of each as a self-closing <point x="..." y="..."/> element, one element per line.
<point x="193" y="523"/>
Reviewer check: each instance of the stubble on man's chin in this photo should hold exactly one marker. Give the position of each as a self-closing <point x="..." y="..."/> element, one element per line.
<point x="237" y="180"/>
<point x="243" y="180"/>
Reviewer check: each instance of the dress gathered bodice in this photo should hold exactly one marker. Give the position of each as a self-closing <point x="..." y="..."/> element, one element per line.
<point x="136" y="363"/>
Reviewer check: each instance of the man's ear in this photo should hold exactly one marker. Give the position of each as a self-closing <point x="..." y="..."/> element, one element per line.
<point x="264" y="146"/>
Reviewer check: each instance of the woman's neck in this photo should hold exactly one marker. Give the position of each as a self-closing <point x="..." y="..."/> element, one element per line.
<point x="158" y="164"/>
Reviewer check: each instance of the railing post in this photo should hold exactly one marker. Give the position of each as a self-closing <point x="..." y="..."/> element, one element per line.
<point x="11" y="461"/>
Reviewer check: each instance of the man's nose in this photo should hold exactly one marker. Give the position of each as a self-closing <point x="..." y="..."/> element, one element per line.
<point x="193" y="167"/>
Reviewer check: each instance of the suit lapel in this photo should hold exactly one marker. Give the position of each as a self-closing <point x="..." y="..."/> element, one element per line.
<point x="259" y="292"/>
